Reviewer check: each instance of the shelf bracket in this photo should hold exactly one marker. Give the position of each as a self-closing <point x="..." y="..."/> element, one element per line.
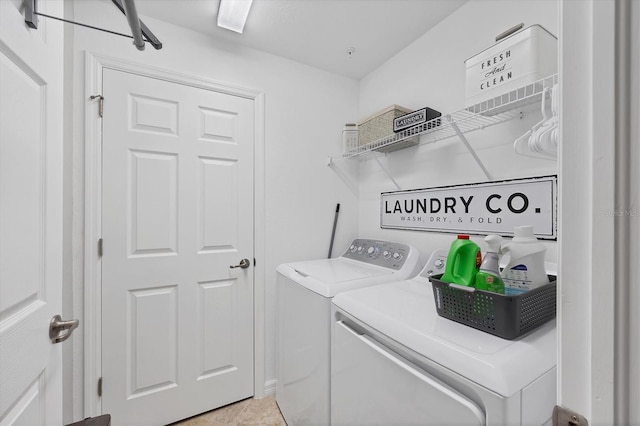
<point x="353" y="186"/>
<point x="387" y="172"/>
<point x="466" y="143"/>
<point x="351" y="183"/>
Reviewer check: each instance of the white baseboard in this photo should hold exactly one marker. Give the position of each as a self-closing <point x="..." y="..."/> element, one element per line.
<point x="270" y="387"/>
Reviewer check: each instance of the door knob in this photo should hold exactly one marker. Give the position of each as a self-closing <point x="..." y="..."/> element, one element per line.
<point x="244" y="264"/>
<point x="59" y="330"/>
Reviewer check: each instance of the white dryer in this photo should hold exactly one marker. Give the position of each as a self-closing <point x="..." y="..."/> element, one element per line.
<point x="396" y="362"/>
<point x="305" y="290"/>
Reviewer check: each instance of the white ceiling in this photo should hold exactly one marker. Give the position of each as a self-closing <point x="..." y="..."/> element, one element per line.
<point x="315" y="32"/>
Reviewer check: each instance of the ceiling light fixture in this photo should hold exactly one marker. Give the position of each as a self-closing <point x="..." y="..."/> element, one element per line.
<point x="232" y="14"/>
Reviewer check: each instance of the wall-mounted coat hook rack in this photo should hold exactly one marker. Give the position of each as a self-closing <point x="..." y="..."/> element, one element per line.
<point x="140" y="31"/>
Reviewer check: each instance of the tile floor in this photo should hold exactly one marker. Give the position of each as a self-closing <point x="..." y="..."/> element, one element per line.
<point x="248" y="412"/>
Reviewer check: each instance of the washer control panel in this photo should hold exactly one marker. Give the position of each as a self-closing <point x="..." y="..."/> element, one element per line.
<point x="436" y="263"/>
<point x="376" y="252"/>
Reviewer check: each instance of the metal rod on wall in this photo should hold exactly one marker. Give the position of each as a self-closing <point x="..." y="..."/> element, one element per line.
<point x="134" y="22"/>
<point x="31" y="19"/>
<point x="30" y="13"/>
<point x="151" y="38"/>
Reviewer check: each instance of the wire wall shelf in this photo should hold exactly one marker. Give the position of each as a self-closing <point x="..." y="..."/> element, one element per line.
<point x="480" y="116"/>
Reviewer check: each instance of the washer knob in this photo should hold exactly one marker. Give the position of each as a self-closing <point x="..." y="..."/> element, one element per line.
<point x="397" y="256"/>
<point x="386" y="254"/>
<point x="360" y="249"/>
<point x="352" y="248"/>
<point x="372" y="251"/>
<point x="439" y="263"/>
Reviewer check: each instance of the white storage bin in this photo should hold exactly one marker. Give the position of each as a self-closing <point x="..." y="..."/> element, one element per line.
<point x="517" y="60"/>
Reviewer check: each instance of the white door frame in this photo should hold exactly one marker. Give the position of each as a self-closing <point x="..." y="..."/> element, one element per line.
<point x="94" y="65"/>
<point x="598" y="332"/>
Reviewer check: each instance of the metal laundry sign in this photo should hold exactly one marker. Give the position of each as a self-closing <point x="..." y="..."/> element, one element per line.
<point x="483" y="208"/>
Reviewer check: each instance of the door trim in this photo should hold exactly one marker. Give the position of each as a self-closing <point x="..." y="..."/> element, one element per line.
<point x="94" y="66"/>
<point x="597" y="321"/>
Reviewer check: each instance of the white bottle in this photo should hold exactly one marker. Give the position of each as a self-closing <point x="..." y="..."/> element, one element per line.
<point x="525" y="270"/>
<point x="349" y="137"/>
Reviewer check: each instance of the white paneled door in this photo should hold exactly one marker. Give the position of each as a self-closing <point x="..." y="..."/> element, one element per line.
<point x="30" y="216"/>
<point x="177" y="213"/>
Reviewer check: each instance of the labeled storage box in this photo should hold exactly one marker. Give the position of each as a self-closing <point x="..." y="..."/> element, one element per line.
<point x="380" y="125"/>
<point x="415" y="118"/>
<point x="505" y="316"/>
<point x="519" y="59"/>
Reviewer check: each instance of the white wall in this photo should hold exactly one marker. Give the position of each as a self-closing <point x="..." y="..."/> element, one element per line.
<point x="431" y="72"/>
<point x="305" y="111"/>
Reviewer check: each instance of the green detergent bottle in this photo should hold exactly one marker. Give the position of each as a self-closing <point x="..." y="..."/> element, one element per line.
<point x="463" y="261"/>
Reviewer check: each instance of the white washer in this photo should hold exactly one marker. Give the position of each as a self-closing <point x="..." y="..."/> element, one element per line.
<point x="305" y="290"/>
<point x="396" y="362"/>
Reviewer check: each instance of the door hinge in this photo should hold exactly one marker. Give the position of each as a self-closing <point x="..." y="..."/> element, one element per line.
<point x="564" y="417"/>
<point x="99" y="386"/>
<point x="100" y="247"/>
<point x="100" y="103"/>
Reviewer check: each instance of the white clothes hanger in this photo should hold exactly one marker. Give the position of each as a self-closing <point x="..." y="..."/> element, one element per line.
<point x="542" y="140"/>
